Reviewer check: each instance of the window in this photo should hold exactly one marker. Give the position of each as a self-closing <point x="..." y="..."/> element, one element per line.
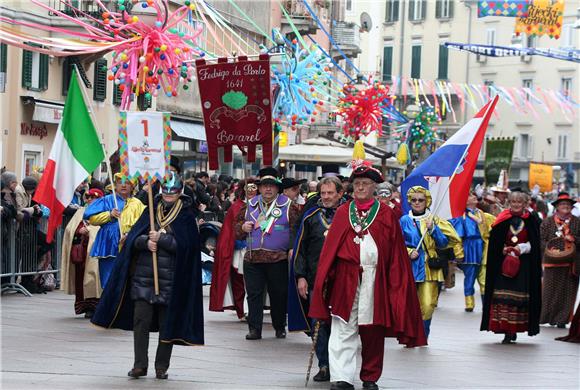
<point x="488" y="83"/>
<point x="387" y="63"/>
<point x="491" y="36"/>
<point x="100" y="80"/>
<point x="566" y="86"/>
<point x="417" y="10"/>
<point x="3" y="66"/>
<point x="443" y="62"/>
<point x="348" y="5"/>
<point x="525" y="146"/>
<point x="444" y="9"/>
<point x="528" y="83"/>
<point x="117" y="94"/>
<point x="562" y="146"/>
<point x="416" y="61"/>
<point x="31" y="158"/>
<point x="392" y="11"/>
<point x="34" y="71"/>
<point x="567" y="39"/>
<point x="530" y="41"/>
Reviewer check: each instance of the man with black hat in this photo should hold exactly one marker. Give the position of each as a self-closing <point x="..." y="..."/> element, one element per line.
<point x="364" y="285"/>
<point x="266" y="226"/>
<point x="291" y="187"/>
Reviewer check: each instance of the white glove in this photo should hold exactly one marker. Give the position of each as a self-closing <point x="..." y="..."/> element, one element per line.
<point x="535" y="191"/>
<point x="525" y="247"/>
<point x="479" y="190"/>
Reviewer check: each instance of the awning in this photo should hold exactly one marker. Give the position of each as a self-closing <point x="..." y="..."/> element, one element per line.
<point x="320" y="150"/>
<point x="189" y="130"/>
<point x="47" y="112"/>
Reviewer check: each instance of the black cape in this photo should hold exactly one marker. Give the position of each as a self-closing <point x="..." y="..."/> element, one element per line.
<point x="495" y="258"/>
<point x="184" y="315"/>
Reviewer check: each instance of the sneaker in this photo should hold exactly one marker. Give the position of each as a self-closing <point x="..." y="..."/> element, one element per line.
<point x="280" y="333"/>
<point x="161" y="374"/>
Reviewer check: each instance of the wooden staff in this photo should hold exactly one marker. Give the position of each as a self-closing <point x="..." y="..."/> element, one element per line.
<point x="311" y="359"/>
<point x="152" y="223"/>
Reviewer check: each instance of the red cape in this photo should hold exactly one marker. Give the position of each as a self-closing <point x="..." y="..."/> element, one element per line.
<point x="223" y="258"/>
<point x="396" y="306"/>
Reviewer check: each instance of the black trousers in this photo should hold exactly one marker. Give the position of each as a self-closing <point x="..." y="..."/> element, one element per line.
<point x="259" y="275"/>
<point x="142" y="318"/>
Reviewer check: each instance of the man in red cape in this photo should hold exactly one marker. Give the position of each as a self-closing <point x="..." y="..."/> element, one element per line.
<point x="226" y="269"/>
<point x="364" y="281"/>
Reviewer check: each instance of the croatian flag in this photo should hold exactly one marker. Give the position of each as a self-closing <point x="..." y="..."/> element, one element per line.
<point x="448" y="172"/>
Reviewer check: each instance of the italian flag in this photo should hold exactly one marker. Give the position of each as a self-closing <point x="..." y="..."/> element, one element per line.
<point x="75" y="154"/>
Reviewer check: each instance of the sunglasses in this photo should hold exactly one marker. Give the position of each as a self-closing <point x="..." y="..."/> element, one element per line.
<point x="416" y="200"/>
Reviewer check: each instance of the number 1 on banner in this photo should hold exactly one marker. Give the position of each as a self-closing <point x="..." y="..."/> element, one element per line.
<point x="145" y="124"/>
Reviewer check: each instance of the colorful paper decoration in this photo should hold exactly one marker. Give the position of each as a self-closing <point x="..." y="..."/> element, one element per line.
<point x="144" y="144"/>
<point x="236" y="106"/>
<point x="543" y="18"/>
<point x="300" y="87"/>
<point x="507" y="8"/>
<point x="363" y="110"/>
<point x="150" y="54"/>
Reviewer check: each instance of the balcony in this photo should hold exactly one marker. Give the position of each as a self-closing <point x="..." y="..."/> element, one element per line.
<point x="347" y="37"/>
<point x="301" y="18"/>
<point x="88" y="8"/>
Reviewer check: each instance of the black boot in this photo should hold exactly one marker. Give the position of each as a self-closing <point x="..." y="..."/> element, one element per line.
<point x="137" y="372"/>
<point x="341" y="385"/>
<point x="323" y="375"/>
<point x="254" y="334"/>
<point x="370" y="385"/>
<point x="161" y="374"/>
<point x="280" y="333"/>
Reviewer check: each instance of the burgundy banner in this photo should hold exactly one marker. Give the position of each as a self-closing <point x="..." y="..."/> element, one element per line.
<point x="236" y="105"/>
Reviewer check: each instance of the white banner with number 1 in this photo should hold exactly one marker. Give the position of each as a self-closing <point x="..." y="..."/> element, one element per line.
<point x="145" y="144"/>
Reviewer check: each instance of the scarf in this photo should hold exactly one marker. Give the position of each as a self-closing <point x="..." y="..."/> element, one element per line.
<point x="507" y="214"/>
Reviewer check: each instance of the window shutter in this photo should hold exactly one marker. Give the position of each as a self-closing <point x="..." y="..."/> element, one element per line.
<point x="416" y="62"/>
<point x="443" y="62"/>
<point x="388" y="8"/>
<point x="143" y="103"/>
<point x="26" y="69"/>
<point x="3" y="57"/>
<point x="387" y="63"/>
<point x="43" y="73"/>
<point x="438" y="9"/>
<point x="66" y="72"/>
<point x="451" y="8"/>
<point x="412" y="9"/>
<point x="100" y="80"/>
<point x="116" y="95"/>
<point x="423" y="9"/>
<point x="395" y="13"/>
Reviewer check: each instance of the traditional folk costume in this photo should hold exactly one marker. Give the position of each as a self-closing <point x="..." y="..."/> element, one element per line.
<point x="227" y="288"/>
<point x="79" y="271"/>
<point x="310" y="238"/>
<point x="512" y="300"/>
<point x="473" y="228"/>
<point x="266" y="258"/>
<point x="574" y="333"/>
<point x="364" y="285"/>
<point x="560" y="284"/>
<point x="106" y="246"/>
<point x="441" y="236"/>
<point x="129" y="302"/>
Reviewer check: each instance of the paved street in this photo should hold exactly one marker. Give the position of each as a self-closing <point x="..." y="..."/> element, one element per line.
<point x="44" y="346"/>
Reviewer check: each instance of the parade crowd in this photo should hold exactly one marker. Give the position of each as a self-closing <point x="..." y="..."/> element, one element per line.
<point x="336" y="258"/>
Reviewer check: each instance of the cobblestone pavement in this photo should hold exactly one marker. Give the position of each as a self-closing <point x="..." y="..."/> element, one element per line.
<point x="44" y="346"/>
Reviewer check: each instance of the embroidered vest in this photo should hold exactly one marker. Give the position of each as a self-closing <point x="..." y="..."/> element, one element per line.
<point x="275" y="237"/>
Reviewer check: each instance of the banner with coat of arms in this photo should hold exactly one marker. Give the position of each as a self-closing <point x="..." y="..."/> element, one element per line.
<point x="236" y="106"/>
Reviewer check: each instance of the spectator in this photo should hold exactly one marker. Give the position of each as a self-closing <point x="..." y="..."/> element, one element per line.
<point x="201" y="182"/>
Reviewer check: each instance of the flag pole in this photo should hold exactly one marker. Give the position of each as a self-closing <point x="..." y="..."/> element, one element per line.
<point x="92" y="114"/>
<point x="438" y="206"/>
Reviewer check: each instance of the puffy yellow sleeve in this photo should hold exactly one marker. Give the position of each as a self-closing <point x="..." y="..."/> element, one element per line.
<point x="454" y="240"/>
<point x="100" y="218"/>
<point x="485" y="230"/>
<point x="130" y="214"/>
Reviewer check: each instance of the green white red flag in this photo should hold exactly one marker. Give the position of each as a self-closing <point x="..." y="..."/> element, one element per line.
<point x="75" y="154"/>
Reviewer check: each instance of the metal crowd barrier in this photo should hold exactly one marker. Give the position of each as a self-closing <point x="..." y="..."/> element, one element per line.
<point x="20" y="254"/>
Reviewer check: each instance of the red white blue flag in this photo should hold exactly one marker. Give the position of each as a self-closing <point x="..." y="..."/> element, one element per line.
<point x="448" y="172"/>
